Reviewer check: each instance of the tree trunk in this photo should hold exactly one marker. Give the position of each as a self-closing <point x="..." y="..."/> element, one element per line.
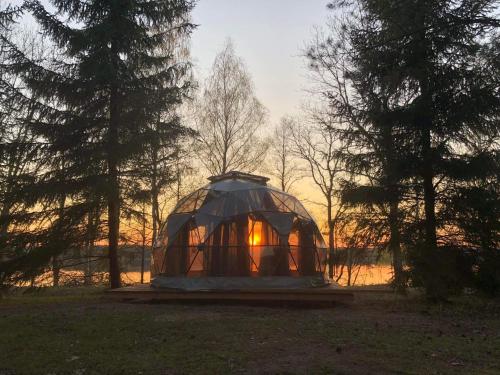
<point x="4" y="229"/>
<point x="56" y="265"/>
<point x="155" y="210"/>
<point x="92" y="228"/>
<point x="56" y="271"/>
<point x="143" y="252"/>
<point x="224" y="163"/>
<point x="179" y="183"/>
<point x="113" y="222"/>
<point x="427" y="167"/>
<point x="394" y="198"/>
<point x="435" y="284"/>
<point x="113" y="186"/>
<point x="283" y="166"/>
<point x="429" y="192"/>
<point x="88" y="268"/>
<point x="395" y="245"/>
<point x="331" y="238"/>
<point x="7" y="204"/>
<point x="4" y="215"/>
<point x="349" y="266"/>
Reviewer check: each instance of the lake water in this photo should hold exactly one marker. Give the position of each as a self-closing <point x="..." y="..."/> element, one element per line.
<point x="367" y="275"/>
<point x="364" y="275"/>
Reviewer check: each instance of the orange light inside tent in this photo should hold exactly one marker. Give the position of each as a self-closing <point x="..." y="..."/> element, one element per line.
<point x="255" y="235"/>
<point x="255" y="240"/>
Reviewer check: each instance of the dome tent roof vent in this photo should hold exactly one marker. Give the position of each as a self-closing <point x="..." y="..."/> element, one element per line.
<point x="236" y="175"/>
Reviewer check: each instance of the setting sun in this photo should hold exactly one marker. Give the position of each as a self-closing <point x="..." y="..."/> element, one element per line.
<point x="255" y="233"/>
<point x="255" y="239"/>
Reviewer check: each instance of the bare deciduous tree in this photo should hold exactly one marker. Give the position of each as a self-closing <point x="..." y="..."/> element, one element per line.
<point x="318" y="147"/>
<point x="361" y="108"/>
<point x="282" y="165"/>
<point x="228" y="117"/>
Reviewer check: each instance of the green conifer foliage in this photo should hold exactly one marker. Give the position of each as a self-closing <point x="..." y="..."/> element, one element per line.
<point x="97" y="95"/>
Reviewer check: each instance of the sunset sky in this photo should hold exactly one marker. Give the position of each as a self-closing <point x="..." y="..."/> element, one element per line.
<point x="270" y="36"/>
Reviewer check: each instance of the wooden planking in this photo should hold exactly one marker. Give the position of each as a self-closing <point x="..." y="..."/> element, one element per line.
<point x="145" y="293"/>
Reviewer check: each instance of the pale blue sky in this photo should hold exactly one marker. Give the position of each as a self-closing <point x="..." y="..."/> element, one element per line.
<point x="269" y="35"/>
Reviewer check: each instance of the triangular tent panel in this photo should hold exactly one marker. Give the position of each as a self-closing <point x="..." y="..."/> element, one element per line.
<point x="174" y="224"/>
<point x="281" y="221"/>
<point x="206" y="224"/>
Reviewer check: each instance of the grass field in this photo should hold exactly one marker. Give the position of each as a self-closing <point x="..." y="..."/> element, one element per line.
<point x="77" y="331"/>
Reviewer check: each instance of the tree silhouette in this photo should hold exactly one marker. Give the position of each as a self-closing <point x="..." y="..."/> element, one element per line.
<point x="108" y="82"/>
<point x="228" y="117"/>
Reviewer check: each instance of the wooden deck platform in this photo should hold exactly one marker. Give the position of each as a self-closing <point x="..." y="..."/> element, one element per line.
<point x="311" y="295"/>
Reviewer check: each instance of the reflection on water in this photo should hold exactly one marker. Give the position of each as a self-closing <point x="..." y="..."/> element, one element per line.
<point x="135" y="277"/>
<point x="366" y="275"/>
<point x="363" y="275"/>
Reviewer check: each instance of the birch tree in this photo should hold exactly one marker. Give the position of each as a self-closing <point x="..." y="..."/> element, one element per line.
<point x="282" y="163"/>
<point x="228" y="118"/>
<point x="317" y="147"/>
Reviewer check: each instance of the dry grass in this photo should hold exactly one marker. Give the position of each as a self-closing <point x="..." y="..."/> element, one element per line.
<point x="76" y="331"/>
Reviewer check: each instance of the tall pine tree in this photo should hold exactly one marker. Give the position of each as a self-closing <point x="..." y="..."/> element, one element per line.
<point x="97" y="96"/>
<point x="430" y="51"/>
<point x="365" y="107"/>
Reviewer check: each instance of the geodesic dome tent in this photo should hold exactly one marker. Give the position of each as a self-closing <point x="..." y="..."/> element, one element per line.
<point x="239" y="232"/>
